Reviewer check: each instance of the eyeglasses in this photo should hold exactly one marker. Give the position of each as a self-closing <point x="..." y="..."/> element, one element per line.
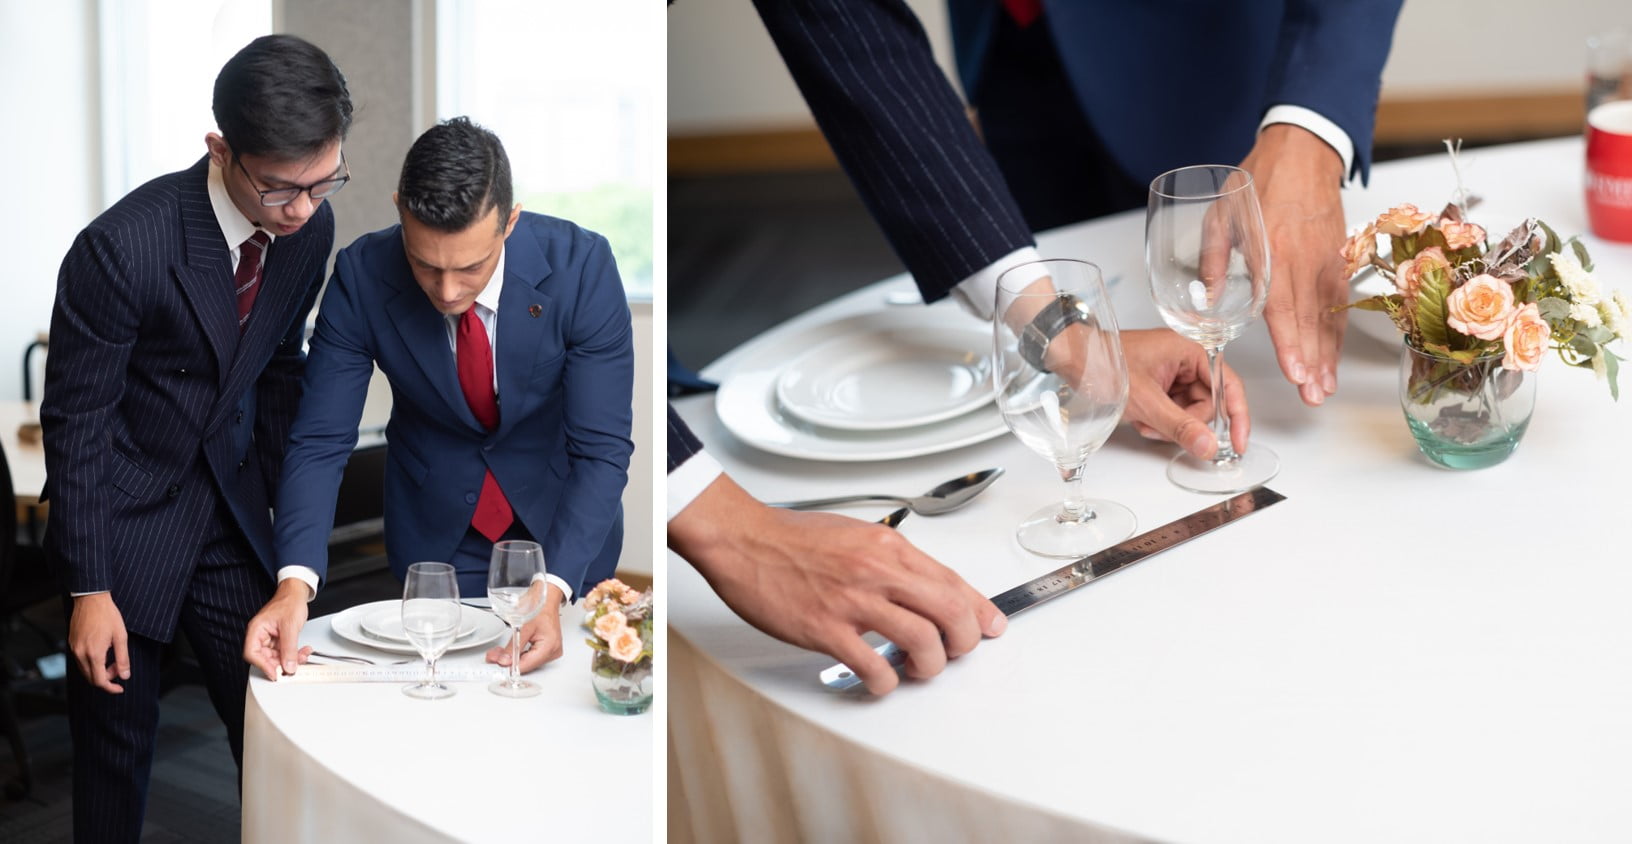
<point x="284" y="196"/>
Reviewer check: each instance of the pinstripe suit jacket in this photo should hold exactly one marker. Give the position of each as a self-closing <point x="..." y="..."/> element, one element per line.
<point x="158" y="417"/>
<point x="565" y="363"/>
<point x="683" y="444"/>
<point x="867" y="71"/>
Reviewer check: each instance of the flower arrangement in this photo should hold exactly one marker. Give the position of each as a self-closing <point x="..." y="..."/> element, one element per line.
<point x="620" y="619"/>
<point x="1460" y="300"/>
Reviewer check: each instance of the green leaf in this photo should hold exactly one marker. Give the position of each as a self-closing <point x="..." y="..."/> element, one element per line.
<point x="1581" y="253"/>
<point x="1399" y="248"/>
<point x="1431" y="309"/>
<point x="1553" y="243"/>
<point x="1612" y="370"/>
<point x="1582" y="346"/>
<point x="1430" y="238"/>
<point x="1599" y="334"/>
<point x="1553" y="308"/>
<point x="1377" y="303"/>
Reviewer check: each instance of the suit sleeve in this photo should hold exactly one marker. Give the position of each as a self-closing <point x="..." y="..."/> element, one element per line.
<point x="278" y="390"/>
<point x="598" y="391"/>
<point x="324" y="431"/>
<point x="93" y="330"/>
<point x="683" y="444"/>
<point x="1329" y="59"/>
<point x="866" y="69"/>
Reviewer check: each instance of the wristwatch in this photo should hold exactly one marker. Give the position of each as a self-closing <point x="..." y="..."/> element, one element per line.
<point x="1055" y="317"/>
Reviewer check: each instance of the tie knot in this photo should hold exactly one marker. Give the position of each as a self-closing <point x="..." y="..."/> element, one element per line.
<point x="256" y="241"/>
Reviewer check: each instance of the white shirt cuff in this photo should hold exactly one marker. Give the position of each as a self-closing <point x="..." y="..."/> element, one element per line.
<point x="303" y="574"/>
<point x="562" y="585"/>
<point x="978" y="293"/>
<point x="83" y="594"/>
<point x="689" y="479"/>
<point x="1326" y="130"/>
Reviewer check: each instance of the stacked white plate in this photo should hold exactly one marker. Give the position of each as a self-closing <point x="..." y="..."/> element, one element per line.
<point x="896" y="383"/>
<point x="379" y="625"/>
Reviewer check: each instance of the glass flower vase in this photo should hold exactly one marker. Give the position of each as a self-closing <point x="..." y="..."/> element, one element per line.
<point x="621" y="688"/>
<point x="1464" y="415"/>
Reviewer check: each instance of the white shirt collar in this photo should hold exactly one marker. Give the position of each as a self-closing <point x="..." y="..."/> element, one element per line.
<point x="489" y="297"/>
<point x="235" y="227"/>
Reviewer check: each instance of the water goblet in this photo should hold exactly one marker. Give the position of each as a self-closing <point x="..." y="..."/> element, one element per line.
<point x="1208" y="260"/>
<point x="430" y="620"/>
<point x="516" y="589"/>
<point x="1061" y="387"/>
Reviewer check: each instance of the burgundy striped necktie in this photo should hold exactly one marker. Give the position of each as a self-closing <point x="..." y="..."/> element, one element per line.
<point x="247" y="280"/>
<point x="474" y="356"/>
<point x="1024" y="12"/>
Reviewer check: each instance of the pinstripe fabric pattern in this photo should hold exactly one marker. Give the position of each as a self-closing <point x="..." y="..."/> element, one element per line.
<point x="113" y="735"/>
<point x="683" y="444"/>
<point x="154" y="407"/>
<point x="898" y="128"/>
<point x="163" y="431"/>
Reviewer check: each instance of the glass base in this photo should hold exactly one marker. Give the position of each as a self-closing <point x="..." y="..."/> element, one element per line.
<point x="1480" y="454"/>
<point x="517" y="688"/>
<point x="428" y="691"/>
<point x="1046" y="533"/>
<point x="1247" y="471"/>
<point x="623" y="707"/>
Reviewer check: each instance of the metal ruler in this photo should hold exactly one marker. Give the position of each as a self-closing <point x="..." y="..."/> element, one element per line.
<point x="411" y="672"/>
<point x="1093" y="567"/>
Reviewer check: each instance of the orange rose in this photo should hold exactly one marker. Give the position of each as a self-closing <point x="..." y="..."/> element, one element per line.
<point x="607" y="626"/>
<point x="1403" y="220"/>
<point x="1526" y="339"/>
<point x="1461" y="235"/>
<point x="1408" y="276"/>
<point x="1481" y="307"/>
<point x="1359" y="250"/>
<point x="626" y="645"/>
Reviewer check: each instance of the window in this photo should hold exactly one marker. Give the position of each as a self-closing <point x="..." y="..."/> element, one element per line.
<point x="567" y="85"/>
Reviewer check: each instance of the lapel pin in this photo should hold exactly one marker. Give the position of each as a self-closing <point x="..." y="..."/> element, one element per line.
<point x="535" y="310"/>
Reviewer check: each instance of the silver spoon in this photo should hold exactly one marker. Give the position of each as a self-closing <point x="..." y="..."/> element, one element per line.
<point x="942" y="499"/>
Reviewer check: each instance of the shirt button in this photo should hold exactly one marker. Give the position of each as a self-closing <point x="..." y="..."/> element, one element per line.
<point x="243" y="463"/>
<point x="240" y="416"/>
<point x="173" y="491"/>
<point x="470" y="498"/>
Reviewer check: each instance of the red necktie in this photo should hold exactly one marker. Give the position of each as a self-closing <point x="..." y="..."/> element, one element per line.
<point x="247" y="280"/>
<point x="475" y="361"/>
<point x="1024" y="12"/>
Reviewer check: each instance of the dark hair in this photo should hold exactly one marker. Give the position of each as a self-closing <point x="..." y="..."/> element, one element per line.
<point x="453" y="175"/>
<point x="282" y="97"/>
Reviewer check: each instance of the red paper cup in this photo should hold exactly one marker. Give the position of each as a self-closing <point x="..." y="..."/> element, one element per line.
<point x="1609" y="170"/>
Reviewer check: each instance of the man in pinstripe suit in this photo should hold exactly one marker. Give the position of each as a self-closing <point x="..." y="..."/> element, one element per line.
<point x="176" y="355"/>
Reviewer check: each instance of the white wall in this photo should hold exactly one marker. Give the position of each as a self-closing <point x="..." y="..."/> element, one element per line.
<point x="725" y="75"/>
<point x="48" y="72"/>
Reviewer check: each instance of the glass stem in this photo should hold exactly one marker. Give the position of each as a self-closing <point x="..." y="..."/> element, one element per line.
<point x="1075" y="508"/>
<point x="1221" y="420"/>
<point x="431" y="663"/>
<point x="515" y="658"/>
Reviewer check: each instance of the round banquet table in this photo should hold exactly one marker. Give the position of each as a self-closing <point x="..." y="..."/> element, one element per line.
<point x="1396" y="652"/>
<point x="364" y="762"/>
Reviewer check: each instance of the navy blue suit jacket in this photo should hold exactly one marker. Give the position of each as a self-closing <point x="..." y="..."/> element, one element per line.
<point x="1170" y="83"/>
<point x="565" y="362"/>
<point x="155" y="410"/>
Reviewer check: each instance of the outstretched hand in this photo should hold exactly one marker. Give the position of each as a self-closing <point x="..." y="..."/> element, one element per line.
<point x="1298" y="178"/>
<point x="820" y="581"/>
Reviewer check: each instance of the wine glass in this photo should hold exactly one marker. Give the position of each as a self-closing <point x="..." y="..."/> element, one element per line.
<point x="1209" y="275"/>
<point x="1061" y="387"/>
<point x="430" y="620"/>
<point x="516" y="587"/>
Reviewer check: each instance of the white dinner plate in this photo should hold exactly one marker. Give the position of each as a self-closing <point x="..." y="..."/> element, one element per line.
<point x="485" y="628"/>
<point x="1373" y="324"/>
<point x="878" y="381"/>
<point x="384" y="623"/>
<point x="748" y="407"/>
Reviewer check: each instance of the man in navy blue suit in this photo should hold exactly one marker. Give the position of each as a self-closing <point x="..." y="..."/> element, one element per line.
<point x="507" y="341"/>
<point x="1083" y="104"/>
<point x="176" y="355"/>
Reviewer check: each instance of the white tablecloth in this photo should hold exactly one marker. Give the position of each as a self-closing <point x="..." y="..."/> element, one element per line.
<point x="364" y="762"/>
<point x="1397" y="652"/>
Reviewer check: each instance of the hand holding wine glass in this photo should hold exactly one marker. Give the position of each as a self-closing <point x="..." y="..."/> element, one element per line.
<point x="1209" y="269"/>
<point x="430" y="620"/>
<point x="1061" y="386"/>
<point x="516" y="588"/>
